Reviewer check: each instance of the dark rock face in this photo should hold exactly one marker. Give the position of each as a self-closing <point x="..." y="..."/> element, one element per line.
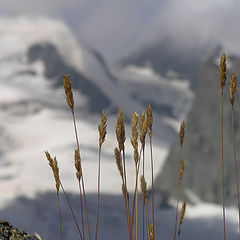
<point x="8" y="232"/>
<point x="201" y="147"/>
<point x="55" y="67"/>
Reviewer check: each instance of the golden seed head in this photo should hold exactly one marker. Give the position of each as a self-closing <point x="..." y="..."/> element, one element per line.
<point x="149" y="117"/>
<point x="181" y="133"/>
<point x="120" y="131"/>
<point x="78" y="166"/>
<point x="181" y="217"/>
<point x="144" y="189"/>
<point x="181" y="170"/>
<point x="125" y="192"/>
<point x="134" y="139"/>
<point x="56" y="174"/>
<point x="68" y="91"/>
<point x="233" y="87"/>
<point x="182" y="212"/>
<point x="102" y="128"/>
<point x="136" y="155"/>
<point x="222" y="71"/>
<point x="143" y="129"/>
<point x="54" y="166"/>
<point x="118" y="161"/>
<point x="142" y="118"/>
<point x="50" y="160"/>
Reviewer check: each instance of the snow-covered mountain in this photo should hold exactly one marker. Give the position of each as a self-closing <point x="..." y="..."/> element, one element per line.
<point x="34" y="53"/>
<point x="34" y="116"/>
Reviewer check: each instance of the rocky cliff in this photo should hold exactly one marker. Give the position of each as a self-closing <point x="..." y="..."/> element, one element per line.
<point x="201" y="148"/>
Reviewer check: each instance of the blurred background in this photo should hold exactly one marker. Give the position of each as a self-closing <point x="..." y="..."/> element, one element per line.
<point x="119" y="54"/>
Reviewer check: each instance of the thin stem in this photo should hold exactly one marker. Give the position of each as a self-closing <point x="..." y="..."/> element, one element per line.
<point x="178" y="197"/>
<point x="59" y="215"/>
<point x="136" y="203"/>
<point x="150" y="137"/>
<point x="136" y="190"/>
<point x="85" y="205"/>
<point x="176" y="216"/>
<point x="70" y="206"/>
<point x="124" y="168"/>
<point x="143" y="194"/>
<point x="80" y="195"/>
<point x="84" y="195"/>
<point x="98" y="194"/>
<point x="236" y="168"/>
<point x="222" y="165"/>
<point x="127" y="202"/>
<point x="148" y="226"/>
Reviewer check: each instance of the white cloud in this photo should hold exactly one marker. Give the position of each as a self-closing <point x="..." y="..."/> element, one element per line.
<point x="116" y="28"/>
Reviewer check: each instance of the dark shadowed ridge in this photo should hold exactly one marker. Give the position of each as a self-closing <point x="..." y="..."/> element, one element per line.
<point x="55" y="66"/>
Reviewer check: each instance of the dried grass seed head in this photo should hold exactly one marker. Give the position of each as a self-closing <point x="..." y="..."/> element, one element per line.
<point x="144" y="188"/>
<point x="143" y="130"/>
<point x="56" y="173"/>
<point x="118" y="161"/>
<point x="78" y="166"/>
<point x="68" y="91"/>
<point x="50" y="160"/>
<point x="233" y="87"/>
<point x="142" y="118"/>
<point x="120" y="130"/>
<point x="181" y="217"/>
<point x="149" y="117"/>
<point x="222" y="71"/>
<point x="102" y="128"/>
<point x="182" y="212"/>
<point x="125" y="192"/>
<point x="182" y="133"/>
<point x="134" y="139"/>
<point x="181" y="170"/>
<point x="134" y="124"/>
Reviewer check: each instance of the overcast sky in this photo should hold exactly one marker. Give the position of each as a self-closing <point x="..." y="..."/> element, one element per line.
<point x="118" y="27"/>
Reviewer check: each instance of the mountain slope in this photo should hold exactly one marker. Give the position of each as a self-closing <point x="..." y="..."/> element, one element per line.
<point x="201" y="148"/>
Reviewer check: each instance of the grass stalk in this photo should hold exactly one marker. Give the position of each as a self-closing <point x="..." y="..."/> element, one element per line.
<point x="82" y="180"/>
<point x="150" y="138"/>
<point x="72" y="212"/>
<point x="102" y="128"/>
<point x="143" y="200"/>
<point x="59" y="215"/>
<point x="70" y="103"/>
<point x="181" y="219"/>
<point x="222" y="170"/>
<point x="81" y="206"/>
<point x="135" y="197"/>
<point x="222" y="78"/>
<point x="233" y="88"/>
<point x="98" y="194"/>
<point x="181" y="170"/>
<point x="236" y="168"/>
<point x="149" y="124"/>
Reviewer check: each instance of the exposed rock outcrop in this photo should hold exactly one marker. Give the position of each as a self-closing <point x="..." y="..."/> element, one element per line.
<point x="201" y="148"/>
<point x="8" y="232"/>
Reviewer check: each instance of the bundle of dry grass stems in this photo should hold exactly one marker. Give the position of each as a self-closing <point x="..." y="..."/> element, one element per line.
<point x="141" y="128"/>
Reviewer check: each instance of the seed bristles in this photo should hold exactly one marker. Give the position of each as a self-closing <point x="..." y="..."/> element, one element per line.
<point x="68" y="91"/>
<point x="233" y="87"/>
<point x="102" y="128"/>
<point x="120" y="131"/>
